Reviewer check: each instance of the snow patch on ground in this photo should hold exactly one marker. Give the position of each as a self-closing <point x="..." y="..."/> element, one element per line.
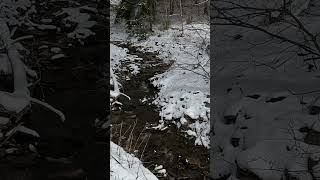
<point x="184" y="88"/>
<point x="125" y="166"/>
<point x="120" y="61"/>
<point x="115" y="2"/>
<point x="262" y="134"/>
<point x="9" y="11"/>
<point x="75" y="15"/>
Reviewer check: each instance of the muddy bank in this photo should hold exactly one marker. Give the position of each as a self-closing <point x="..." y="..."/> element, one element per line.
<point x="178" y="155"/>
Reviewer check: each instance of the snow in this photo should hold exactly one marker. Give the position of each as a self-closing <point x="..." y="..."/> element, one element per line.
<point x="57" y="56"/>
<point x="13" y="14"/>
<point x="46" y="20"/>
<point x="55" y="50"/>
<point x="42" y="47"/>
<point x="158" y="167"/>
<point x="134" y="68"/>
<point x="125" y="166"/>
<point x="119" y="56"/>
<point x="160" y="170"/>
<point x="115" y="2"/>
<point x="13" y="103"/>
<point x="270" y="130"/>
<point x="32" y="148"/>
<point x="80" y="33"/>
<point x="184" y="88"/>
<point x="266" y="127"/>
<point x="44" y="26"/>
<point x="75" y="15"/>
<point x="26" y="130"/>
<point x="161" y="126"/>
<point x="184" y="94"/>
<point x="4" y="120"/>
<point x="9" y="11"/>
<point x="22" y="129"/>
<point x="163" y="172"/>
<point x="144" y="100"/>
<point x="11" y="150"/>
<point x="117" y="32"/>
<point x="5" y="66"/>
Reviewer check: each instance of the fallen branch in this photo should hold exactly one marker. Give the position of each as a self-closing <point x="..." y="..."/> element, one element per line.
<point x="18" y="70"/>
<point x="58" y="112"/>
<point x="116" y="89"/>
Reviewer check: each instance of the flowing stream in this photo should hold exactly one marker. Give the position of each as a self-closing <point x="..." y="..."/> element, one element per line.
<point x="178" y="155"/>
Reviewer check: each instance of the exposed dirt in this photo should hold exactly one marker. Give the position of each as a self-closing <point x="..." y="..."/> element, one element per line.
<point x="169" y="147"/>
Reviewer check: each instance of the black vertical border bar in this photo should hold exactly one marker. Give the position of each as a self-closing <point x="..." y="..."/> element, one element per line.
<point x="107" y="167"/>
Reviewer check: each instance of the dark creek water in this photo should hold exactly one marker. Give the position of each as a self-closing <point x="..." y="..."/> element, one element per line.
<point x="168" y="148"/>
<point x="78" y="87"/>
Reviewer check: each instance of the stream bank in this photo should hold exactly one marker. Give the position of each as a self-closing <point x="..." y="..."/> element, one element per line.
<point x="131" y="126"/>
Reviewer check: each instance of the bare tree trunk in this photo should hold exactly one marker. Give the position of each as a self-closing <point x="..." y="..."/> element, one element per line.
<point x="198" y="8"/>
<point x="171" y="6"/>
<point x="181" y="16"/>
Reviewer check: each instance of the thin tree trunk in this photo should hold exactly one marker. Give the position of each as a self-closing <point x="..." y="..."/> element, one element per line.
<point x="181" y="16"/>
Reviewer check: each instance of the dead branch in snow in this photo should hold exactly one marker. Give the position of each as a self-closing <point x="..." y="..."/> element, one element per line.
<point x="199" y="66"/>
<point x="281" y="22"/>
<point x="115" y="93"/>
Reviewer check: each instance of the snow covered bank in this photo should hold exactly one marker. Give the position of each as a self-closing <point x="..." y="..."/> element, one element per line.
<point x="184" y="88"/>
<point x="119" y="57"/>
<point x="125" y="166"/>
<point x="184" y="95"/>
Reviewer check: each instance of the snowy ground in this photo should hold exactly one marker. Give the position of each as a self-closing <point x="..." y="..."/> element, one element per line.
<point x="119" y="56"/>
<point x="184" y="88"/>
<point x="124" y="166"/>
<point x="262" y="113"/>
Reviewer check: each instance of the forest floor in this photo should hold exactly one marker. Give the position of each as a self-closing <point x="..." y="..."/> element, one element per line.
<point x="70" y="79"/>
